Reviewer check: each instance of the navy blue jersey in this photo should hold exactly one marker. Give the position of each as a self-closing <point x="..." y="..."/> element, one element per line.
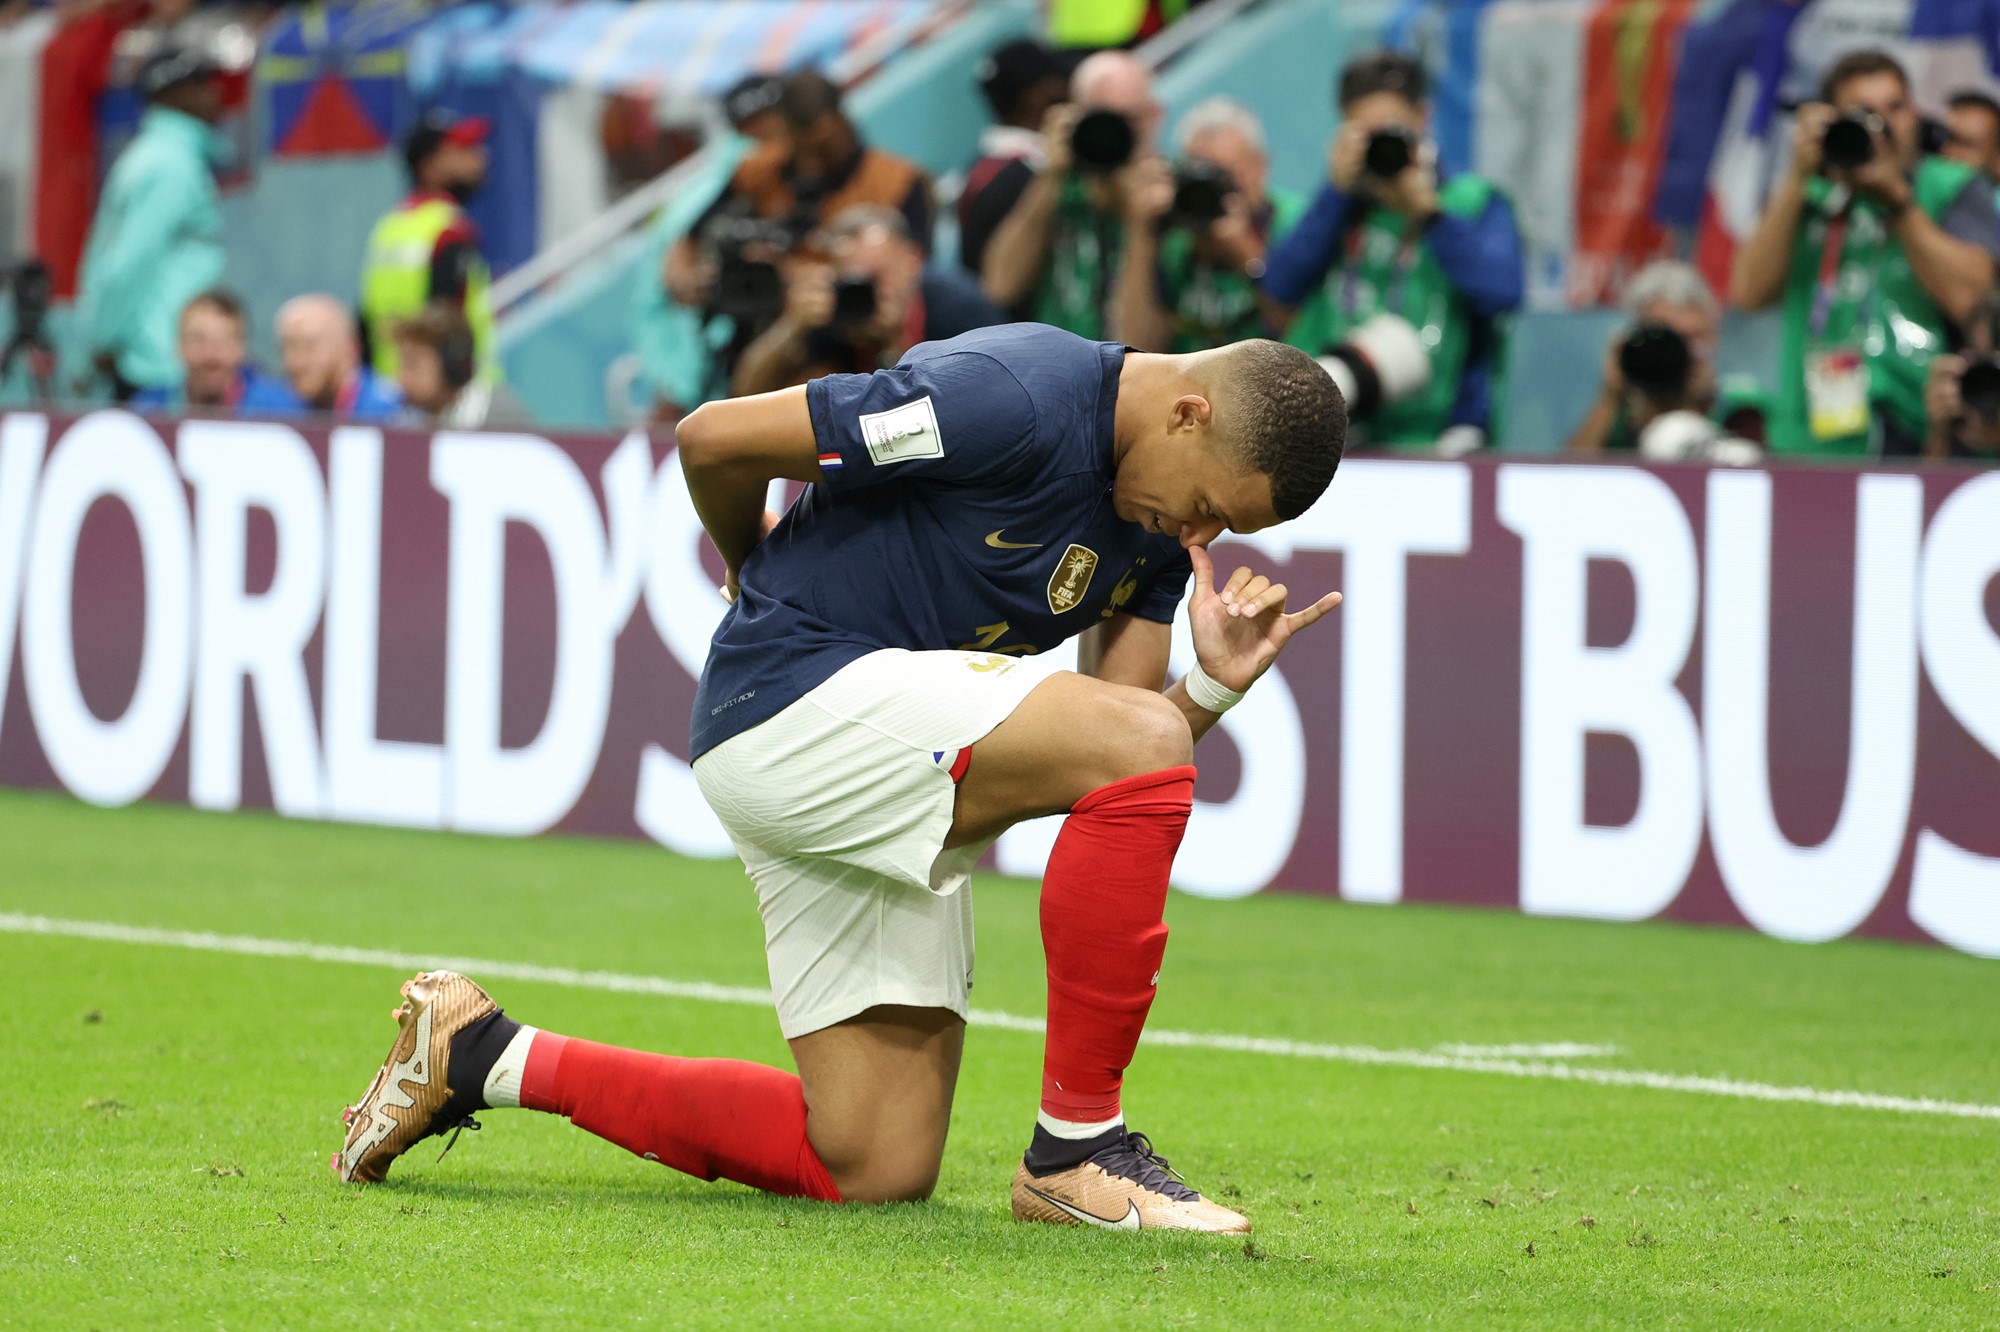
<point x="966" y="504"/>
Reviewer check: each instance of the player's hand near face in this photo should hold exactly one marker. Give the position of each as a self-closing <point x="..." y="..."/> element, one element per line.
<point x="1241" y="627"/>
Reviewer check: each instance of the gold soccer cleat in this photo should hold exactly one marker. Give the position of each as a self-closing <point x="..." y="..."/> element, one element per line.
<point x="1125" y="1186"/>
<point x="411" y="1098"/>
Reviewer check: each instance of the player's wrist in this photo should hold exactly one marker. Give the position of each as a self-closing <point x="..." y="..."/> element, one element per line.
<point x="1207" y="692"/>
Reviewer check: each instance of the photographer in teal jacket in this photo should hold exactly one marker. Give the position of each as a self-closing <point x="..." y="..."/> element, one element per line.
<point x="156" y="241"/>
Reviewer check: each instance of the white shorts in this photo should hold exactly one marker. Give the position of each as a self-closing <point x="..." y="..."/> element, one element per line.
<point x="840" y="806"/>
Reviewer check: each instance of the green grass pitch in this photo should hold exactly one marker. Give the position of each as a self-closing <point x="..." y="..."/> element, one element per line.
<point x="169" y="1112"/>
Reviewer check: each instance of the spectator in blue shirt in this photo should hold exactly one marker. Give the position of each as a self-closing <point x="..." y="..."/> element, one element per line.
<point x="321" y="348"/>
<point x="218" y="379"/>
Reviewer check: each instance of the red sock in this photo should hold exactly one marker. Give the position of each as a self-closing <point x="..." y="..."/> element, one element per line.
<point x="710" y="1118"/>
<point x="1103" y="900"/>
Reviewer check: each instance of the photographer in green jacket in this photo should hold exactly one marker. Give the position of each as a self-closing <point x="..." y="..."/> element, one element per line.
<point x="1874" y="252"/>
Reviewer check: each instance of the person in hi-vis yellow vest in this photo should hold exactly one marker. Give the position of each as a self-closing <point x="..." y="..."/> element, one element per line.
<point x="427" y="247"/>
<point x="1093" y="24"/>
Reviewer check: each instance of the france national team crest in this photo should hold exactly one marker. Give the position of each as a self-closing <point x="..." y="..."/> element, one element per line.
<point x="1072" y="578"/>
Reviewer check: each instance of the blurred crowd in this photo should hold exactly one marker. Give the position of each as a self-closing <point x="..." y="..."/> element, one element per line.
<point x="415" y="347"/>
<point x="1877" y="245"/>
<point x="821" y="254"/>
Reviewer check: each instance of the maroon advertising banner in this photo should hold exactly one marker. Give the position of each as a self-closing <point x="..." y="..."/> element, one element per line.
<point x="1762" y="697"/>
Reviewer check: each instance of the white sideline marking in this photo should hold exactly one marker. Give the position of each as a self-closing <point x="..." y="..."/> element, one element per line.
<point x="1452" y="1058"/>
<point x="1552" y="1050"/>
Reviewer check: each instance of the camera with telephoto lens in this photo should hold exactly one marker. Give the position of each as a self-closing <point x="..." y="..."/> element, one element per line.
<point x="1389" y="152"/>
<point x="1201" y="195"/>
<point x="854" y="302"/>
<point x="1849" y="141"/>
<point x="1102" y="141"/>
<point x="748" y="286"/>
<point x="1979" y="388"/>
<point x="1382" y="361"/>
<point x="1656" y="361"/>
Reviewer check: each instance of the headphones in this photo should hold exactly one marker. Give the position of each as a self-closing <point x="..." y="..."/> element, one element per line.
<point x="458" y="357"/>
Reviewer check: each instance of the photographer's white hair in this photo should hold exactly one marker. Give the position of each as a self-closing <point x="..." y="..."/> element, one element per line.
<point x="1672" y="282"/>
<point x="1220" y="113"/>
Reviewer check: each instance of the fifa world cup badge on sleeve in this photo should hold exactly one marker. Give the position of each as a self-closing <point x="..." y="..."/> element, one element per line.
<point x="903" y="433"/>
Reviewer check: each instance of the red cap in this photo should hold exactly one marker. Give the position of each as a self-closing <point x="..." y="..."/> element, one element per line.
<point x="469" y="131"/>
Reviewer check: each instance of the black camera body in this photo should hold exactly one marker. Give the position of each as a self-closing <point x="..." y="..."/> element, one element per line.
<point x="1849" y="141"/>
<point x="1201" y="195"/>
<point x="1102" y="141"/>
<point x="33" y="289"/>
<point x="748" y="287"/>
<point x="1389" y="153"/>
<point x="1656" y="361"/>
<point x="854" y="301"/>
<point x="1979" y="387"/>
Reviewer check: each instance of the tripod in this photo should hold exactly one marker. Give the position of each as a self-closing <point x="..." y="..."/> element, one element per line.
<point x="31" y="305"/>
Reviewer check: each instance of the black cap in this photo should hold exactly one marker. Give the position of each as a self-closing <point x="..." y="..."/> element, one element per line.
<point x="170" y="67"/>
<point x="1011" y="70"/>
<point x="752" y="97"/>
<point x="437" y="128"/>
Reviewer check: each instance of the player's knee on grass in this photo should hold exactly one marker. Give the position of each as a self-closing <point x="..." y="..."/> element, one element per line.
<point x="897" y="1174"/>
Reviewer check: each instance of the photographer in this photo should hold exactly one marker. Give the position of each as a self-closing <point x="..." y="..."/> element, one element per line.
<point x="157" y="236"/>
<point x="872" y="302"/>
<point x="1661" y="363"/>
<point x="1396" y="272"/>
<point x="1188" y="281"/>
<point x="813" y="170"/>
<point x="1022" y="81"/>
<point x="1962" y="394"/>
<point x="1873" y="251"/>
<point x="1972" y="122"/>
<point x="1056" y="255"/>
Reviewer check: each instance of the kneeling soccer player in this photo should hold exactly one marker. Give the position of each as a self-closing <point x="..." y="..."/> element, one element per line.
<point x="864" y="731"/>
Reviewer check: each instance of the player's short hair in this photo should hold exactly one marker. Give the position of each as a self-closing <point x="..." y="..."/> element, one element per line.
<point x="1860" y="64"/>
<point x="1285" y="420"/>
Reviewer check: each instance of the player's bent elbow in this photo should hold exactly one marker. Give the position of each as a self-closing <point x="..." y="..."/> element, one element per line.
<point x="696" y="438"/>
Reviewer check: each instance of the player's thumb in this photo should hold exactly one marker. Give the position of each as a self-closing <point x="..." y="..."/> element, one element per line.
<point x="1204" y="569"/>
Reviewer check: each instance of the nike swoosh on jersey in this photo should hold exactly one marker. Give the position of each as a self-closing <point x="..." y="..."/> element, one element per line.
<point x="993" y="540"/>
<point x="1129" y="1221"/>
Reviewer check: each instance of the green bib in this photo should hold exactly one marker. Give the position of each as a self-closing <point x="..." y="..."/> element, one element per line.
<point x="396" y="282"/>
<point x="1212" y="306"/>
<point x="1874" y="306"/>
<point x="1085" y="247"/>
<point x="1383" y="270"/>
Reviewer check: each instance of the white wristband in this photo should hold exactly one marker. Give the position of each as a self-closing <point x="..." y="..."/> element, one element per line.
<point x="1207" y="693"/>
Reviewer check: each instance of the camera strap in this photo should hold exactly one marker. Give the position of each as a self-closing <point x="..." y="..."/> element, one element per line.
<point x="1399" y="275"/>
<point x="1832" y="250"/>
